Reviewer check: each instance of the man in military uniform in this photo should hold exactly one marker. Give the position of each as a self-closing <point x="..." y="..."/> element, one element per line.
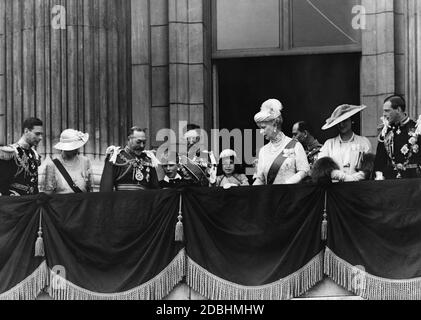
<point x="195" y="169"/>
<point x="19" y="162"/>
<point x="131" y="167"/>
<point x="303" y="133"/>
<point x="398" y="155"/>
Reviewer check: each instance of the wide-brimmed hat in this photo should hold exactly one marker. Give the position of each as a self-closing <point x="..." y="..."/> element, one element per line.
<point x="71" y="139"/>
<point x="270" y="110"/>
<point x="342" y="113"/>
<point x="193" y="168"/>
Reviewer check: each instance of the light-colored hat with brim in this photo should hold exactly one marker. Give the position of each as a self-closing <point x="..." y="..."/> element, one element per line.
<point x="342" y="113"/>
<point x="227" y="153"/>
<point x="71" y="139"/>
<point x="270" y="110"/>
<point x="191" y="134"/>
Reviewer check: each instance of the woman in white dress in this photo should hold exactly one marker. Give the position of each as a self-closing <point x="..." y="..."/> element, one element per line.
<point x="347" y="149"/>
<point x="283" y="160"/>
<point x="69" y="172"/>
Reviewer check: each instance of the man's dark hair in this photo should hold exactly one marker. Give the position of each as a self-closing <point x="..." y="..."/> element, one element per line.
<point x="397" y="101"/>
<point x="136" y="128"/>
<point x="30" y="123"/>
<point x="303" y="126"/>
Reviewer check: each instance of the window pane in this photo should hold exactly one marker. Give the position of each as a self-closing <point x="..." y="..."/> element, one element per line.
<point x="245" y="24"/>
<point x="324" y="22"/>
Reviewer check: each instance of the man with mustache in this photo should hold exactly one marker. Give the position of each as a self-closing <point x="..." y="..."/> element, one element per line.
<point x="19" y="162"/>
<point x="398" y="155"/>
<point x="131" y="167"/>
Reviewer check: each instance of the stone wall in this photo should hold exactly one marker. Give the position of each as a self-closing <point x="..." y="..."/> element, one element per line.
<point x="171" y="68"/>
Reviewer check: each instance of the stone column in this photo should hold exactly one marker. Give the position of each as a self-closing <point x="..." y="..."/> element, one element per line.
<point x="65" y="62"/>
<point x="141" y="63"/>
<point x="378" y="63"/>
<point x="2" y="70"/>
<point x="160" y="113"/>
<point x="189" y="62"/>
<point x="408" y="58"/>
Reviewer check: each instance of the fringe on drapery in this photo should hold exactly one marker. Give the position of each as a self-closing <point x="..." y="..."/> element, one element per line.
<point x="155" y="289"/>
<point x="367" y="286"/>
<point x="294" y="285"/>
<point x="31" y="287"/>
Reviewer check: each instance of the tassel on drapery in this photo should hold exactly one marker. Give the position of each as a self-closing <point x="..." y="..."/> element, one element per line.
<point x="155" y="289"/>
<point x="324" y="222"/>
<point x="367" y="286"/>
<point x="294" y="285"/>
<point x="31" y="287"/>
<point x="179" y="229"/>
<point x="39" y="243"/>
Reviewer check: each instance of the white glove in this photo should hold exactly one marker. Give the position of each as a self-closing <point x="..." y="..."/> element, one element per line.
<point x="379" y="176"/>
<point x="337" y="175"/>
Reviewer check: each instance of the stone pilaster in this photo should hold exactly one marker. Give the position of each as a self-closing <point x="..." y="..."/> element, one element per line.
<point x="141" y="63"/>
<point x="2" y="70"/>
<point x="378" y="63"/>
<point x="408" y="58"/>
<point x="189" y="62"/>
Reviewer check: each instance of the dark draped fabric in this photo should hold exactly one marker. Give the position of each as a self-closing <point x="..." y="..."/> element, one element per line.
<point x="19" y="220"/>
<point x="253" y="236"/>
<point x="376" y="226"/>
<point x="242" y="243"/>
<point x="111" y="242"/>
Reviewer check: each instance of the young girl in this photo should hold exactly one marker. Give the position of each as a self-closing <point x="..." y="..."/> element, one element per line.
<point x="230" y="177"/>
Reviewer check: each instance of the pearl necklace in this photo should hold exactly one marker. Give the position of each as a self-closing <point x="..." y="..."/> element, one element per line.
<point x="274" y="145"/>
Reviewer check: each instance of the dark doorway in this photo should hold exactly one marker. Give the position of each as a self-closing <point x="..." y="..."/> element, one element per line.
<point x="310" y="87"/>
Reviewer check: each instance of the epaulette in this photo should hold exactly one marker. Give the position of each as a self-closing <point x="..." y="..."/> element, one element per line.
<point x="7" y="153"/>
<point x="154" y="160"/>
<point x="113" y="152"/>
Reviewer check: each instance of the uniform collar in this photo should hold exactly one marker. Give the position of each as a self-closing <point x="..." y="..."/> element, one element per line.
<point x="314" y="144"/>
<point x="404" y="122"/>
<point x="133" y="154"/>
<point x="400" y="123"/>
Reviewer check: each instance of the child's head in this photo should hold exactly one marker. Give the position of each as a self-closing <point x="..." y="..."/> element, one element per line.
<point x="227" y="161"/>
<point x="322" y="170"/>
<point x="169" y="163"/>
